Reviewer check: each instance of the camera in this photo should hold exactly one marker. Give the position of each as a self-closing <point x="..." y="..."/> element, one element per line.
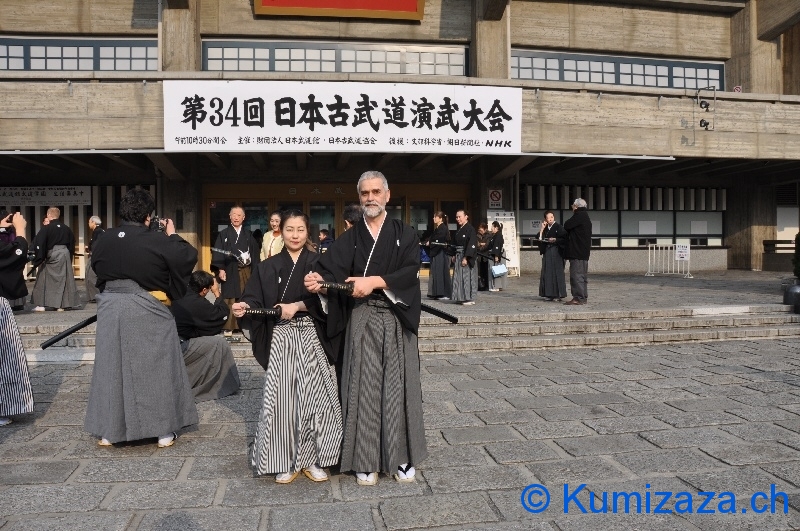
<point x="10" y="218"/>
<point x="155" y="223"/>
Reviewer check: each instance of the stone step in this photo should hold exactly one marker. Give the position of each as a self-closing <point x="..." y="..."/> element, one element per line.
<point x="494" y="344"/>
<point x="547" y="327"/>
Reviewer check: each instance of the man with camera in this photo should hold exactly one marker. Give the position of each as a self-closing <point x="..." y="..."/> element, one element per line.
<point x="13" y="257"/>
<point x="208" y="357"/>
<point x="54" y="247"/>
<point x="140" y="388"/>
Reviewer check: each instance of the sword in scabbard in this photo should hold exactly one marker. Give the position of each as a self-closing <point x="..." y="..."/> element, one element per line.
<point x="68" y="332"/>
<point x="347" y="287"/>
<point x="266" y="313"/>
<point x="239" y="258"/>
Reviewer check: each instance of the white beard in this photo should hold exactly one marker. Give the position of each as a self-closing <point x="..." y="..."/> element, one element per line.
<point x="373" y="211"/>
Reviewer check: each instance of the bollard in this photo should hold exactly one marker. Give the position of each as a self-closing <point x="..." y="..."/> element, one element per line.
<point x="792" y="296"/>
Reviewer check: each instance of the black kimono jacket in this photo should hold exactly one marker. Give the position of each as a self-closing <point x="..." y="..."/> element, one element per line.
<point x="227" y="240"/>
<point x="395" y="259"/>
<point x="55" y="233"/>
<point x="557" y="232"/>
<point x="13" y="256"/>
<point x="273" y="282"/>
<point x="151" y="258"/>
<point x="495" y="247"/>
<point x="439" y="235"/>
<point x="195" y="316"/>
<point x="467" y="238"/>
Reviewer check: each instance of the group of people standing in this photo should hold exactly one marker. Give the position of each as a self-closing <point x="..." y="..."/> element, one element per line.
<point x="472" y="255"/>
<point x="355" y="307"/>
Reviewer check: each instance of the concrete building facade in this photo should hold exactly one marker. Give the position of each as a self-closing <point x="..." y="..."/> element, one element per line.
<point x="677" y="120"/>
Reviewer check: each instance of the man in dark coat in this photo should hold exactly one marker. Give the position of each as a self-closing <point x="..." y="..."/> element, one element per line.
<point x="236" y="263"/>
<point x="54" y="245"/>
<point x="208" y="357"/>
<point x="13" y="257"/>
<point x="91" y="277"/>
<point x="381" y="390"/>
<point x="579" y="244"/>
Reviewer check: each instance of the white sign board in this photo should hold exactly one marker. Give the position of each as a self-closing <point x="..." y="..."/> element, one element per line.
<point x="495" y="199"/>
<point x="45" y="196"/>
<point x="341" y="116"/>
<point x="681" y="252"/>
<point x="510" y="244"/>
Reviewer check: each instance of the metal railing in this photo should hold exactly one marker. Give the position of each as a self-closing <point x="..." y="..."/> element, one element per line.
<point x="668" y="260"/>
<point x="778" y="246"/>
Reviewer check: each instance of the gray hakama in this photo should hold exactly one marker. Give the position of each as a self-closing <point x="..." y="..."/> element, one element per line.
<point x="465" y="280"/>
<point x="139" y="387"/>
<point x="439" y="282"/>
<point x="16" y="396"/>
<point x="55" y="282"/>
<point x="496" y="282"/>
<point x="551" y="282"/>
<point x="300" y="423"/>
<point x="210" y="367"/>
<point x="90" y="282"/>
<point x="383" y="426"/>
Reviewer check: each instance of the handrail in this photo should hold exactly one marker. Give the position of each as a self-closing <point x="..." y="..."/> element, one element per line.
<point x="775" y="246"/>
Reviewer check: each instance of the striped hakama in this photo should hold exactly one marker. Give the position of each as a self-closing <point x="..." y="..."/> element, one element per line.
<point x="465" y="280"/>
<point x="16" y="396"/>
<point x="381" y="392"/>
<point x="301" y="421"/>
<point x="140" y="387"/>
<point x="55" y="282"/>
<point x="439" y="283"/>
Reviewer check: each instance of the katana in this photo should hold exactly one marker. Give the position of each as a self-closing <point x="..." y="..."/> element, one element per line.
<point x="348" y="287"/>
<point x="68" y="332"/>
<point x="242" y="259"/>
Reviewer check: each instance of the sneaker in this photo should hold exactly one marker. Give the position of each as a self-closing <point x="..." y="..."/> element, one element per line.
<point x="315" y="473"/>
<point x="367" y="479"/>
<point x="38" y="309"/>
<point x="59" y="309"/>
<point x="286" y="477"/>
<point x="495" y="289"/>
<point x="468" y="303"/>
<point x="104" y="442"/>
<point x="405" y="473"/>
<point x="228" y="333"/>
<point x="167" y="440"/>
<point x="4" y="421"/>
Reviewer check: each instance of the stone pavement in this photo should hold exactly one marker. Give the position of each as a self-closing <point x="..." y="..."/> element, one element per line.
<point x="718" y="416"/>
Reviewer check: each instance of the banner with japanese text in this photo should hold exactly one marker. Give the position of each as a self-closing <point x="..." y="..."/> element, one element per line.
<point x="341" y="117"/>
<point x="45" y="196"/>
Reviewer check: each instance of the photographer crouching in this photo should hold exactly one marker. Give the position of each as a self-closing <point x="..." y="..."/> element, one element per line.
<point x="140" y="388"/>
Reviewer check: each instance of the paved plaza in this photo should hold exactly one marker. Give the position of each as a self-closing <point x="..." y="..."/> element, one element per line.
<point x="720" y="417"/>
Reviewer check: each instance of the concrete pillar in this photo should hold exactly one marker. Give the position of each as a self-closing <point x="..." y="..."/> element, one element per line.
<point x="754" y="65"/>
<point x="791" y="61"/>
<point x="750" y="218"/>
<point x="179" y="36"/>
<point x="490" y="35"/>
<point x="186" y="197"/>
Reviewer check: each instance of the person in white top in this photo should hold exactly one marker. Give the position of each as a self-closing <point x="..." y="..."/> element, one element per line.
<point x="273" y="241"/>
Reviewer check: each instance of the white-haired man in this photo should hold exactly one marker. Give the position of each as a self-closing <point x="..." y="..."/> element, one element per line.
<point x="91" y="276"/>
<point x="579" y="244"/>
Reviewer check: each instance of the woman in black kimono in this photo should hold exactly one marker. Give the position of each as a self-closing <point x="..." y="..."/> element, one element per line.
<point x="552" y="238"/>
<point x="439" y="283"/>
<point x="495" y="250"/>
<point x="300" y="425"/>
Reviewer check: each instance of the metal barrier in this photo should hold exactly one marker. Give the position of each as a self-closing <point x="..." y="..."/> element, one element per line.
<point x="668" y="259"/>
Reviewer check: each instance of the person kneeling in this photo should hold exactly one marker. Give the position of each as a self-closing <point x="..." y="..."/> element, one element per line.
<point x="208" y="357"/>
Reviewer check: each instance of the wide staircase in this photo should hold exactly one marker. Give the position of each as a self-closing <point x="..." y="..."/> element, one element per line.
<point x="523" y="331"/>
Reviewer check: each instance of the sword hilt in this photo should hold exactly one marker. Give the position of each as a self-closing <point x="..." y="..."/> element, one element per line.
<point x="347" y="287"/>
<point x="263" y="312"/>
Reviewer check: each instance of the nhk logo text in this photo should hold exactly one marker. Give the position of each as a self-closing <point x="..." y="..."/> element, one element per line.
<point x="535" y="498"/>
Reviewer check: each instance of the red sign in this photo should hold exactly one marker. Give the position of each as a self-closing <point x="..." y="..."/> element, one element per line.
<point x="398" y="9"/>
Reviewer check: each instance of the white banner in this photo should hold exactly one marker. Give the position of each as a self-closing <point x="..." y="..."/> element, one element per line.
<point x="341" y="117"/>
<point x="682" y="252"/>
<point x="45" y="196"/>
<point x="509" y="239"/>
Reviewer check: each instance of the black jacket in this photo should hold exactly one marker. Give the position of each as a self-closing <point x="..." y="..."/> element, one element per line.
<point x="13" y="256"/>
<point x="195" y="316"/>
<point x="579" y="234"/>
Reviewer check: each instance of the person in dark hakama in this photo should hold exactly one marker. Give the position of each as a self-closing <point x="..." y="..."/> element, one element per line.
<point x="439" y="282"/>
<point x="16" y="396"/>
<point x="465" y="271"/>
<point x="91" y="276"/>
<point x="495" y="250"/>
<point x="54" y="246"/>
<point x="234" y="271"/>
<point x="300" y="424"/>
<point x="483" y="263"/>
<point x="381" y="391"/>
<point x="207" y="355"/>
<point x="140" y="388"/>
<point x="13" y="257"/>
<point x="552" y="239"/>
